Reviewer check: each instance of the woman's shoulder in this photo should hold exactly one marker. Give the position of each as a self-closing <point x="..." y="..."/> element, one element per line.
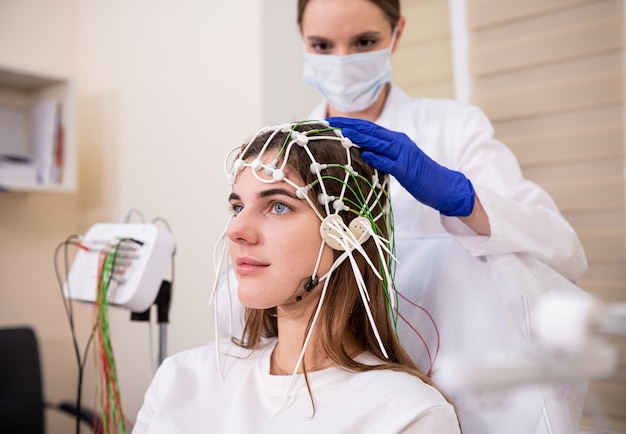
<point x="403" y="386"/>
<point x="408" y="386"/>
<point x="408" y="400"/>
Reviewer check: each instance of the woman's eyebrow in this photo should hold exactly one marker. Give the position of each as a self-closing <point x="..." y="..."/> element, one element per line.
<point x="278" y="192"/>
<point x="267" y="193"/>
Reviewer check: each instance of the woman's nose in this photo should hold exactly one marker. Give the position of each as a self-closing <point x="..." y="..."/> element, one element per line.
<point x="242" y="229"/>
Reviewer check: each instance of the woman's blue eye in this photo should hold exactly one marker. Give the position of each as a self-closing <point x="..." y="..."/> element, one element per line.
<point x="236" y="209"/>
<point x="280" y="208"/>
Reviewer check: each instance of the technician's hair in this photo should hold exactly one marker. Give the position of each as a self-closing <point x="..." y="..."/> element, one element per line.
<point x="391" y="8"/>
<point x="343" y="317"/>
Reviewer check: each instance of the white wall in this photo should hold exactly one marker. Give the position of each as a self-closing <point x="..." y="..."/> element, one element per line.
<point x="285" y="97"/>
<point x="164" y="88"/>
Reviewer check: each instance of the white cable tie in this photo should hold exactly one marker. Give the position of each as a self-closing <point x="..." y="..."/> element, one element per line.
<point x="285" y="128"/>
<point x="375" y="180"/>
<point x="303" y="192"/>
<point x="302" y="140"/>
<point x="269" y="169"/>
<point x="256" y="164"/>
<point x="338" y="205"/>
<point x="346" y="143"/>
<point x="324" y="199"/>
<point x="317" y="167"/>
<point x="278" y="175"/>
<point x="238" y="164"/>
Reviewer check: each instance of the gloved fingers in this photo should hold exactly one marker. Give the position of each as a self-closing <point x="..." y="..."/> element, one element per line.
<point x="363" y="126"/>
<point x="381" y="163"/>
<point x="342" y="122"/>
<point x="371" y="143"/>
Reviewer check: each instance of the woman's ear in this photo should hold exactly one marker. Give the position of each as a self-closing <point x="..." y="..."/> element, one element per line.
<point x="399" y="31"/>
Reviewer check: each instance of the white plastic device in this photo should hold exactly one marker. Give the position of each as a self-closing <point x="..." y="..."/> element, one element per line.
<point x="501" y="370"/>
<point x="569" y="345"/>
<point x="140" y="265"/>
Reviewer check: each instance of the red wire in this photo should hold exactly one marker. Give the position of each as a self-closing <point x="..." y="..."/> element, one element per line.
<point x="431" y="359"/>
<point x="419" y="335"/>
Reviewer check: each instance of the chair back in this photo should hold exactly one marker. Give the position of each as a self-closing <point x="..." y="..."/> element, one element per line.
<point x="21" y="394"/>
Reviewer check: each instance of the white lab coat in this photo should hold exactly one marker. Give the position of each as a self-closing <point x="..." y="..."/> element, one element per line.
<point x="479" y="289"/>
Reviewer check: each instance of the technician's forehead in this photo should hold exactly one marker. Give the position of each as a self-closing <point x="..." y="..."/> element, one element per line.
<point x="344" y="18"/>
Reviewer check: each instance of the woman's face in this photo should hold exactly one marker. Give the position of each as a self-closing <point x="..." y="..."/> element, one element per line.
<point x="342" y="27"/>
<point x="274" y="241"/>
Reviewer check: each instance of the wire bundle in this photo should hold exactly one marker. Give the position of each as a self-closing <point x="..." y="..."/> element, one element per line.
<point x="109" y="391"/>
<point x="73" y="240"/>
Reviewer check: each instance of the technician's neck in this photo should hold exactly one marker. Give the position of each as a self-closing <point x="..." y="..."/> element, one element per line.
<point x="369" y="114"/>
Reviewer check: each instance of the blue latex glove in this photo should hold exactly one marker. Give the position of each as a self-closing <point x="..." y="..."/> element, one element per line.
<point x="445" y="190"/>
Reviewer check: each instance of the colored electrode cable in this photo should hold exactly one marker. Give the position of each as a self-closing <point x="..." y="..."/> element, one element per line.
<point x="110" y="400"/>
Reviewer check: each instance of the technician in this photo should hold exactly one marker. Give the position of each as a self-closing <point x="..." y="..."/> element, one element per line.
<point x="475" y="240"/>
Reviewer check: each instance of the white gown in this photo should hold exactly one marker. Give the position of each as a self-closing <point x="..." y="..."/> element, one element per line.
<point x="479" y="290"/>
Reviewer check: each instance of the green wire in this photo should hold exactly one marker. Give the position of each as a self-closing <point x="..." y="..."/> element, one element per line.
<point x="110" y="373"/>
<point x="365" y="211"/>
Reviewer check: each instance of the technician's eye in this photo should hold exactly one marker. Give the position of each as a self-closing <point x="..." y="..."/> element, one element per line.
<point x="321" y="47"/>
<point x="280" y="208"/>
<point x="366" y="44"/>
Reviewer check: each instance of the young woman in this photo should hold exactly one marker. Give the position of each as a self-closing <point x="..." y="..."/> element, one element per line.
<point x="309" y="246"/>
<point x="476" y="241"/>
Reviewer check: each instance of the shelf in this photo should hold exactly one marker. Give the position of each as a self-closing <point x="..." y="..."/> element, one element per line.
<point x="33" y="105"/>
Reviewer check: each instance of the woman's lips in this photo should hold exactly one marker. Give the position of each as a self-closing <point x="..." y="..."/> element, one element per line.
<point x="249" y="265"/>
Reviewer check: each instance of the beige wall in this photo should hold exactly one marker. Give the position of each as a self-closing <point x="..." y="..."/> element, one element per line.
<point x="422" y="64"/>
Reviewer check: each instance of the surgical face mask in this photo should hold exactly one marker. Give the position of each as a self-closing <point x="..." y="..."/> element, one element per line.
<point x="349" y="83"/>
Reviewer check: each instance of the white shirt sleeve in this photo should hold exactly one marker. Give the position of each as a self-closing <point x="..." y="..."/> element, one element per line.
<point x="523" y="216"/>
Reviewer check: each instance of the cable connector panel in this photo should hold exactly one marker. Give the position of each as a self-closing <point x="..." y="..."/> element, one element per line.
<point x="142" y="254"/>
